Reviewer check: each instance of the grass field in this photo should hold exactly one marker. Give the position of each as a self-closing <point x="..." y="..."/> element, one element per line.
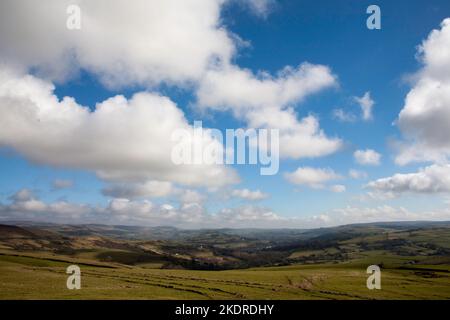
<point x="39" y="276"/>
<point x="165" y="263"/>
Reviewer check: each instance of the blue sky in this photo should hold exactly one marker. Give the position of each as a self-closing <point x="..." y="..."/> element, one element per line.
<point x="266" y="36"/>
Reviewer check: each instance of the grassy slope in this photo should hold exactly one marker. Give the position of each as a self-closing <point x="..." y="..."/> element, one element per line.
<point x="40" y="278"/>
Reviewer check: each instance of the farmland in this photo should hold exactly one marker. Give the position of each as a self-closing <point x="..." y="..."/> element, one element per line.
<point x="319" y="264"/>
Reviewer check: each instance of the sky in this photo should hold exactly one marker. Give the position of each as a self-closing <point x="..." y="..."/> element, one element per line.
<point x="90" y="99"/>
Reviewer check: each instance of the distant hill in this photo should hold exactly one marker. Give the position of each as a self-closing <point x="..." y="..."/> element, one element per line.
<point x="8" y="232"/>
<point x="211" y="249"/>
<point x="172" y="233"/>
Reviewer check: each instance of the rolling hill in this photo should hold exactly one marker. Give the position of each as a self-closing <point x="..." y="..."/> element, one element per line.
<point x="168" y="263"/>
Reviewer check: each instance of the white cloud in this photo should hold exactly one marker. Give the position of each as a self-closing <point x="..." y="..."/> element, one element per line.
<point x="151" y="189"/>
<point x="367" y="157"/>
<point x="241" y="90"/>
<point x="194" y="215"/>
<point x="432" y="179"/>
<point x="338" y="188"/>
<point x="246" y="216"/>
<point x="343" y="116"/>
<point x="145" y="212"/>
<point x="263" y="102"/>
<point x="22" y="195"/>
<point x="350" y="215"/>
<point x="357" y="174"/>
<point x="312" y="177"/>
<point x="25" y="206"/>
<point x="59" y="184"/>
<point x="117" y="211"/>
<point x="144" y="42"/>
<point x="121" y="140"/>
<point x="249" y="194"/>
<point x="191" y="196"/>
<point x="259" y="7"/>
<point x="366" y="103"/>
<point x="137" y="212"/>
<point x="304" y="139"/>
<point x="425" y="117"/>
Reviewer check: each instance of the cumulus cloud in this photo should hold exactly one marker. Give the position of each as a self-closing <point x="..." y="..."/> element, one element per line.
<point x="258" y="7"/>
<point x="22" y="195"/>
<point x="59" y="184"/>
<point x="263" y="101"/>
<point x="249" y="194"/>
<point x="25" y="207"/>
<point x="143" y="42"/>
<point x="367" y="157"/>
<point x="424" y="122"/>
<point x="137" y="212"/>
<point x="425" y="118"/>
<point x="117" y="211"/>
<point x="191" y="196"/>
<point x="121" y="140"/>
<point x="241" y="90"/>
<point x="248" y="216"/>
<point x="432" y="179"/>
<point x="349" y="215"/>
<point x="366" y="103"/>
<point x="338" y="188"/>
<point x="312" y="177"/>
<point x="151" y="214"/>
<point x="151" y="189"/>
<point x="357" y="174"/>
<point x="343" y="116"/>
